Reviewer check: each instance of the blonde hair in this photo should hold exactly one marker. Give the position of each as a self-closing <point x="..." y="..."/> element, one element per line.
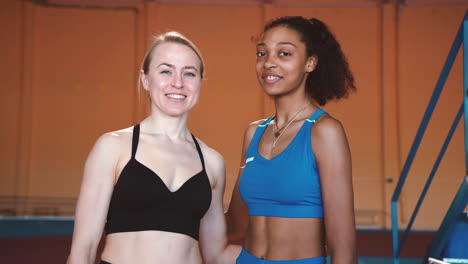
<point x="172" y="37"/>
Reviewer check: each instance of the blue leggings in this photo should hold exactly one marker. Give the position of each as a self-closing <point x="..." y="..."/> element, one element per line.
<point x="247" y="258"/>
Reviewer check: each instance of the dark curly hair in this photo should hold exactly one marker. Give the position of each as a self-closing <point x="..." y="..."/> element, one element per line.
<point x="332" y="78"/>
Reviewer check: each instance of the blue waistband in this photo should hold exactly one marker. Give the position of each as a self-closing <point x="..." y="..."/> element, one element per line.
<point x="247" y="258"/>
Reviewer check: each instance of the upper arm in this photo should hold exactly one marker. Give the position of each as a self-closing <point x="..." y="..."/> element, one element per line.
<point x="237" y="214"/>
<point x="333" y="157"/>
<point x="96" y="190"/>
<point x="213" y="238"/>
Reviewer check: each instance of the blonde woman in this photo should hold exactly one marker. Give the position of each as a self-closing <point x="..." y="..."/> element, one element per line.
<point x="155" y="189"/>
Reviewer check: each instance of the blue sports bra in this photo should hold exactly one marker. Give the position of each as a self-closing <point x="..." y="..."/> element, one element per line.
<point x="288" y="185"/>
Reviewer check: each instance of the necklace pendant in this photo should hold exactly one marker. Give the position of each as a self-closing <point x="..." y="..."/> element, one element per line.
<point x="277" y="134"/>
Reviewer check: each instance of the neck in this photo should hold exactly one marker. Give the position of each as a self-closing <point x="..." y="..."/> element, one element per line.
<point x="174" y="128"/>
<point x="287" y="106"/>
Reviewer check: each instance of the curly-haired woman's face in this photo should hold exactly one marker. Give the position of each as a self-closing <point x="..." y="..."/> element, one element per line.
<point x="282" y="65"/>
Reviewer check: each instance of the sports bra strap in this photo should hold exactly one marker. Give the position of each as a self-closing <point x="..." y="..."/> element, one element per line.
<point x="199" y="151"/>
<point x="266" y="122"/>
<point x="319" y="112"/>
<point x="136" y="137"/>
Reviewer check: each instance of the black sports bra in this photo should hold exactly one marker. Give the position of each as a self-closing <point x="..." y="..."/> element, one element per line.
<point x="141" y="200"/>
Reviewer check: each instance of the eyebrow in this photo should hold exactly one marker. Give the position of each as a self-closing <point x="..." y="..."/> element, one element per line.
<point x="173" y="66"/>
<point x="278" y="44"/>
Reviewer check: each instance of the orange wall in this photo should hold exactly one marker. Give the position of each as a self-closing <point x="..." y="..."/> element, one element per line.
<point x="70" y="74"/>
<point x="10" y="94"/>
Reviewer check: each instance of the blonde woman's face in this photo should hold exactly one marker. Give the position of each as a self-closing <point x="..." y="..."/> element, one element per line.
<point x="174" y="79"/>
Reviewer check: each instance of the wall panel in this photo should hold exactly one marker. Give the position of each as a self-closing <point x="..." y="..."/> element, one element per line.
<point x="84" y="85"/>
<point x="10" y="93"/>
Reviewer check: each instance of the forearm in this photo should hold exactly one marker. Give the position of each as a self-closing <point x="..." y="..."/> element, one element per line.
<point x="343" y="259"/>
<point x="83" y="253"/>
<point x="343" y="254"/>
<point x="81" y="258"/>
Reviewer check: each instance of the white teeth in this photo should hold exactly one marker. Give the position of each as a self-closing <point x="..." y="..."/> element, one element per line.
<point x="176" y="96"/>
<point x="271" y="77"/>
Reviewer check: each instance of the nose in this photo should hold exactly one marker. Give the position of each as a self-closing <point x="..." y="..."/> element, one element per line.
<point x="178" y="81"/>
<point x="270" y="62"/>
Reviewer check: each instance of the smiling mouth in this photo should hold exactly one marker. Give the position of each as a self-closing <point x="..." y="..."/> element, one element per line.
<point x="176" y="96"/>
<point x="271" y="78"/>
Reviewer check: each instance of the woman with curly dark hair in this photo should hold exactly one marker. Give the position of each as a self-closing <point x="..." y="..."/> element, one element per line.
<point x="294" y="197"/>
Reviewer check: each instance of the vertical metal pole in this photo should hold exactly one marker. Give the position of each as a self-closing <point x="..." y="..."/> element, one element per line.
<point x="395" y="240"/>
<point x="465" y="85"/>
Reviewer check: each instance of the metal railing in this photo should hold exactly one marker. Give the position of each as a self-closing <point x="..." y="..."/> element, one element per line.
<point x="453" y="214"/>
<point x="461" y="197"/>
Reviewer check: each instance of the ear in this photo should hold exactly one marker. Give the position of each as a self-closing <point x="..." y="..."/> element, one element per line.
<point x="311" y="63"/>
<point x="144" y="80"/>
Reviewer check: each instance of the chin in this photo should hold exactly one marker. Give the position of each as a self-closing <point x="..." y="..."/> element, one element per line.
<point x="273" y="92"/>
<point x="176" y="113"/>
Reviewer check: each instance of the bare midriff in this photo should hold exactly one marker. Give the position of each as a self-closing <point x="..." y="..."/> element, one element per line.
<point x="150" y="247"/>
<point x="281" y="238"/>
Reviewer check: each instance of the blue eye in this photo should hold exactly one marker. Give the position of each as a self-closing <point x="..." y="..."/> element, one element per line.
<point x="260" y="54"/>
<point x="189" y="74"/>
<point x="165" y="72"/>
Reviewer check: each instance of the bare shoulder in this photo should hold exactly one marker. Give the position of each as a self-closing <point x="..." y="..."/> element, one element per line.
<point x="212" y="157"/>
<point x="114" y="139"/>
<point x="328" y="128"/>
<point x="103" y="159"/>
<point x="252" y="126"/>
<point x="329" y="139"/>
<point x="214" y="164"/>
<point x="250" y="130"/>
<point x="110" y="144"/>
